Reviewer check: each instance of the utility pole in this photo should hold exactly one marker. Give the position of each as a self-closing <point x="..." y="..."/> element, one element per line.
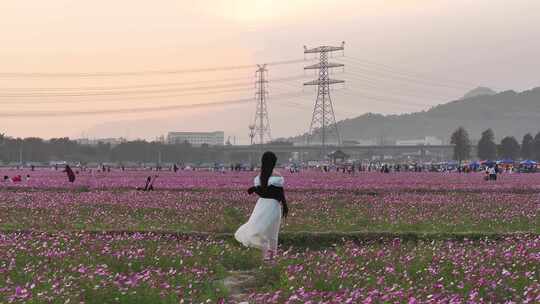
<point x="251" y="133"/>
<point x="21" y="153"/>
<point x="262" y="122"/>
<point x="323" y="118"/>
<point x="251" y="138"/>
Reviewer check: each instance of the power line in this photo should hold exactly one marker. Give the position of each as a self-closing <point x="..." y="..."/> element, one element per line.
<point x="403" y="78"/>
<point x="146" y="97"/>
<point x="193" y="91"/>
<point x="384" y="99"/>
<point x="402" y="91"/>
<point x="145" y="73"/>
<point x="129" y="110"/>
<point x="409" y="73"/>
<point x="137" y="86"/>
<point x="412" y="75"/>
<point x="105" y="93"/>
<point x="280" y="81"/>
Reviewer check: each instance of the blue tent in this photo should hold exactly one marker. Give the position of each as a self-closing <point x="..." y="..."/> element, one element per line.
<point x="528" y="162"/>
<point x="475" y="164"/>
<point x="506" y="162"/>
<point x="489" y="163"/>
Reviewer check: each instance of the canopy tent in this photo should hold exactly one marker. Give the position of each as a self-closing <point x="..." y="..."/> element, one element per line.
<point x="505" y="162"/>
<point x="475" y="165"/>
<point x="528" y="162"/>
<point x="338" y="156"/>
<point x="488" y="163"/>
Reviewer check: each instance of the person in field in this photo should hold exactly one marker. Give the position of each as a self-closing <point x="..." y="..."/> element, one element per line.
<point x="262" y="229"/>
<point x="145" y="188"/>
<point x="149" y="186"/>
<point x="493" y="173"/>
<point x="70" y="174"/>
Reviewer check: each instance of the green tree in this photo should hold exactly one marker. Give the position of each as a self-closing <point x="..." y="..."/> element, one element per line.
<point x="487" y="148"/>
<point x="527" y="146"/>
<point x="536" y="146"/>
<point x="509" y="148"/>
<point x="462" y="144"/>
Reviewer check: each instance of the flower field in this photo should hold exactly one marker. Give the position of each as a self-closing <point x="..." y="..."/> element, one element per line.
<point x="367" y="238"/>
<point x="46" y="179"/>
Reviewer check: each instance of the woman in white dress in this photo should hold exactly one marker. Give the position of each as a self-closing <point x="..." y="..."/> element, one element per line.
<point x="261" y="230"/>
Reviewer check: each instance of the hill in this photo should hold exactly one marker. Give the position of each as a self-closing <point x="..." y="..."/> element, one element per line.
<point x="480" y="91"/>
<point x="508" y="113"/>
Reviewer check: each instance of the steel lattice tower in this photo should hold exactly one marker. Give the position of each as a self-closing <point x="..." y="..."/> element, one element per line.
<point x="323" y="120"/>
<point x="262" y="122"/>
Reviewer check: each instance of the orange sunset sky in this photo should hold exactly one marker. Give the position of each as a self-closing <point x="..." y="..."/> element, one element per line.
<point x="51" y="49"/>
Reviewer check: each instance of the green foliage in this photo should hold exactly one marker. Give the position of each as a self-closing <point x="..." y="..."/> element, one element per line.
<point x="242" y="259"/>
<point x="537" y="146"/>
<point x="527" y="146"/>
<point x="487" y="148"/>
<point x="38" y="150"/>
<point x="462" y="144"/>
<point x="509" y="148"/>
<point x="232" y="219"/>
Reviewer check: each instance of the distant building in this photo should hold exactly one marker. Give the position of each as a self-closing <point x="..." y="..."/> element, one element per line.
<point x="197" y="138"/>
<point x="427" y="141"/>
<point x="160" y="139"/>
<point x="95" y="141"/>
<point x="360" y="142"/>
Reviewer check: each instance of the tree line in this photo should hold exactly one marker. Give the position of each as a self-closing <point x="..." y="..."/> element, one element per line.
<point x="34" y="149"/>
<point x="488" y="149"/>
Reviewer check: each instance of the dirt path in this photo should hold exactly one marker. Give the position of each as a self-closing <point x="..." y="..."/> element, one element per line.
<point x="238" y="283"/>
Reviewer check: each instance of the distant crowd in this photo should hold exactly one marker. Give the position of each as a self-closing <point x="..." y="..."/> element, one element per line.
<point x="491" y="169"/>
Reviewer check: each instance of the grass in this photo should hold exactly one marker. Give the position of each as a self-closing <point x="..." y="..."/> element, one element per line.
<point x="317" y="234"/>
<point x="323" y="256"/>
<point x="415" y="268"/>
<point x="198" y="267"/>
<point x="223" y="212"/>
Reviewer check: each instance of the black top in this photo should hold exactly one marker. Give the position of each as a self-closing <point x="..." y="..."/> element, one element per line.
<point x="272" y="192"/>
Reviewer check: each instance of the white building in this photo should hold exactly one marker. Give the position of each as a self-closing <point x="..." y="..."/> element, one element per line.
<point x="197" y="138"/>
<point x="427" y="141"/>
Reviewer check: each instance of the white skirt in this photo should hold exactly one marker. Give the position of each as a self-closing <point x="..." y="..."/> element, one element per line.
<point x="261" y="230"/>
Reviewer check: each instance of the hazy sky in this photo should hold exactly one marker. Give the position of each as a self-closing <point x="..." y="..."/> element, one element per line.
<point x="401" y="56"/>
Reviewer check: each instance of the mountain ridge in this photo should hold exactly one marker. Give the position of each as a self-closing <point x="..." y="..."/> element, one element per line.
<point x="508" y="113"/>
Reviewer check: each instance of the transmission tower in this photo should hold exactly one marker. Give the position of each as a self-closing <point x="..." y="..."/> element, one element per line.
<point x="323" y="120"/>
<point x="262" y="123"/>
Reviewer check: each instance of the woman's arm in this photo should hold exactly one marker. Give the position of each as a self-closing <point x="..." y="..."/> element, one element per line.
<point x="283" y="202"/>
<point x="285" y="211"/>
<point x="253" y="189"/>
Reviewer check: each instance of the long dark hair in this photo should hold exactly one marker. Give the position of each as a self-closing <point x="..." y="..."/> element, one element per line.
<point x="268" y="162"/>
